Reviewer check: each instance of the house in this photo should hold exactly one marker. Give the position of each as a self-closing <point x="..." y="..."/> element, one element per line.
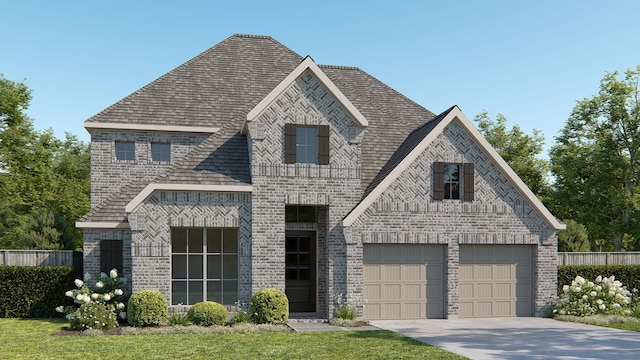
<point x="250" y="166"/>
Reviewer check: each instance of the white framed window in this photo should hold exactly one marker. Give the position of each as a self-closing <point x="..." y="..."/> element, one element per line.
<point x="160" y="152"/>
<point x="125" y="150"/>
<point x="204" y="265"/>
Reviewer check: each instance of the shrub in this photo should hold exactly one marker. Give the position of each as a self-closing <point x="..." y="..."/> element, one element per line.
<point x="34" y="291"/>
<point x="98" y="299"/>
<point x="585" y="298"/>
<point x="208" y="313"/>
<point x="93" y="315"/>
<point x="343" y="309"/>
<point x="147" y="307"/>
<point x="269" y="306"/>
<point x="626" y="274"/>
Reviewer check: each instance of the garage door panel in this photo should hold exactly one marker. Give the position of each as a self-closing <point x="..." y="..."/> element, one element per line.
<point x="372" y="292"/>
<point x="414" y="272"/>
<point x="411" y="280"/>
<point x="496" y="280"/>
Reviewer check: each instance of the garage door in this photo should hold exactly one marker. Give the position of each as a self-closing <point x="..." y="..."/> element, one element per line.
<point x="496" y="280"/>
<point x="403" y="281"/>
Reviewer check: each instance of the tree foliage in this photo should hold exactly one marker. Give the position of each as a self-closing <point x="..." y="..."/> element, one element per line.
<point x="574" y="238"/>
<point x="44" y="181"/>
<point x="596" y="162"/>
<point x="521" y="151"/>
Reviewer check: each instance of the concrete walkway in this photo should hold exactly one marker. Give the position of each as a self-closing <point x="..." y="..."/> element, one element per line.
<point x="324" y="326"/>
<point x="520" y="338"/>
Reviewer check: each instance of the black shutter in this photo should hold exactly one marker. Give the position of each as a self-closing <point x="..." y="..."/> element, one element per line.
<point x="110" y="255"/>
<point x="289" y="143"/>
<point x="438" y="181"/>
<point x="323" y="145"/>
<point x="468" y="170"/>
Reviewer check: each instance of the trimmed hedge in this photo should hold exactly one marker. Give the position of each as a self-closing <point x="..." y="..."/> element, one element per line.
<point x="147" y="307"/>
<point x="34" y="291"/>
<point x="628" y="275"/>
<point x="208" y="313"/>
<point x="269" y="306"/>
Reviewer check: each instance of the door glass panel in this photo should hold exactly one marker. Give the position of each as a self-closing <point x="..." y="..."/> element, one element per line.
<point x="304" y="244"/>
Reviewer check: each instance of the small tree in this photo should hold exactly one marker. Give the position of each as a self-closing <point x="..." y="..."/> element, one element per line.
<point x="574" y="238"/>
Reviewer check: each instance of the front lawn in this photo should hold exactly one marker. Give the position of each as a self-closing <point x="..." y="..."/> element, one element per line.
<point x="31" y="339"/>
<point x="612" y="321"/>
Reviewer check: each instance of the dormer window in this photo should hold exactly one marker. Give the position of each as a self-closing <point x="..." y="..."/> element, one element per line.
<point x="306" y="144"/>
<point x="125" y="151"/>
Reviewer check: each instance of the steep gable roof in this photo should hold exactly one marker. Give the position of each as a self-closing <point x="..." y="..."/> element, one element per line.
<point x="307" y="64"/>
<point x="416" y="144"/>
<point x="216" y="90"/>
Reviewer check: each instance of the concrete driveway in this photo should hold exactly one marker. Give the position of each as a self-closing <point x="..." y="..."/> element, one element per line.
<point x="520" y="338"/>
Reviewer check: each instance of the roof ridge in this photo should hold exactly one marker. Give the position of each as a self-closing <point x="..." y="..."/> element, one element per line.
<point x="341" y="67"/>
<point x="253" y="36"/>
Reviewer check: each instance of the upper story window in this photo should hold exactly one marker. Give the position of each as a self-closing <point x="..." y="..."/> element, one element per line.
<point x="161" y="152"/>
<point x="453" y="181"/>
<point x="306" y="144"/>
<point x="125" y="150"/>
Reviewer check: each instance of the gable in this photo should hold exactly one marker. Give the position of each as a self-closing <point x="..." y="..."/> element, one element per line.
<point x="307" y="65"/>
<point x="454" y="139"/>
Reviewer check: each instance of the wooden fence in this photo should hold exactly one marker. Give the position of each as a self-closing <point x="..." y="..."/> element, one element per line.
<point x="598" y="258"/>
<point x="41" y="257"/>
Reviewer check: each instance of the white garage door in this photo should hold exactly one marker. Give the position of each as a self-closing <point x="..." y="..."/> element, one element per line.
<point x="496" y="280"/>
<point x="403" y="281"/>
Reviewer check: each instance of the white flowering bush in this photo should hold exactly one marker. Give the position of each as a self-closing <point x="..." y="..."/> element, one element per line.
<point x="604" y="295"/>
<point x="98" y="301"/>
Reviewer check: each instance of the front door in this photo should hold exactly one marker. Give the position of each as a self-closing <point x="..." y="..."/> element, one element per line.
<point x="301" y="271"/>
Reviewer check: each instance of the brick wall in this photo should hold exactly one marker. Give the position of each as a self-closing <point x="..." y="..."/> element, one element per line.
<point x="108" y="174"/>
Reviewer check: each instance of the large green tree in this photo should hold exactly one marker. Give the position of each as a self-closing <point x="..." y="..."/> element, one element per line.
<point x="596" y="162"/>
<point x="521" y="151"/>
<point x="44" y="182"/>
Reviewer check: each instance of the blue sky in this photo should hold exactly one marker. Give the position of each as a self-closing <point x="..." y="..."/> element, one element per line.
<point x="529" y="60"/>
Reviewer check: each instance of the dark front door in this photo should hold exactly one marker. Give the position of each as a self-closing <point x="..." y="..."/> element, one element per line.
<point x="301" y="271"/>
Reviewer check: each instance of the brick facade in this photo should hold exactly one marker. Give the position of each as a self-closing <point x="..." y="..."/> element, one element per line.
<point x="499" y="214"/>
<point x="108" y="174"/>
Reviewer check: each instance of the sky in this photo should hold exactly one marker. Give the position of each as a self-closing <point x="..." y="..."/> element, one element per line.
<point x="528" y="60"/>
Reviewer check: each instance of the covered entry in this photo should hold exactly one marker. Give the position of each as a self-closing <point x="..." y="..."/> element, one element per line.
<point x="403" y="281"/>
<point x="496" y="280"/>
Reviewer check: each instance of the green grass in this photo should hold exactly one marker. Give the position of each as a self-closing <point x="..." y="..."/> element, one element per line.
<point x="612" y="321"/>
<point x="34" y="339"/>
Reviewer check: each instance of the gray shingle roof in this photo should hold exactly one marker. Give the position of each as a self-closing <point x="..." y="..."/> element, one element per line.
<point x="221" y="85"/>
